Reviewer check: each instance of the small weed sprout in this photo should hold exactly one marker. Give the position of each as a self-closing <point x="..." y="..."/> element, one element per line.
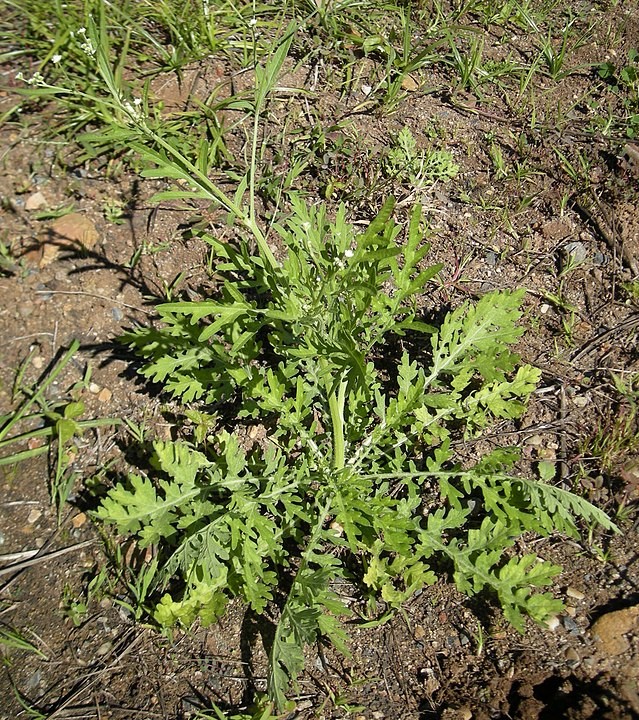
<point x="408" y="165"/>
<point x="624" y="82"/>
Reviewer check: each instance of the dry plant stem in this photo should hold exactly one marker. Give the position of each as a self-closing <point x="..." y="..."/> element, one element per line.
<point x="93" y="678"/>
<point x="590" y="345"/>
<point x="606" y="229"/>
<point x="564" y="470"/>
<point x="95" y="295"/>
<point x="17" y="567"/>
<point x="17" y="556"/>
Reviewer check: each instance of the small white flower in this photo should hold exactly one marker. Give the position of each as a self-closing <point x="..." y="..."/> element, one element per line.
<point x="366" y="90"/>
<point x="55" y="59"/>
<point x="37" y="79"/>
<point x="81" y="31"/>
<point x="19" y="76"/>
<point x="348" y="253"/>
<point x="133" y="109"/>
<point x="253" y="22"/>
<point x="87" y="47"/>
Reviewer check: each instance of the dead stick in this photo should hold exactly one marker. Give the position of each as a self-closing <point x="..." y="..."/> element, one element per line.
<point x="16" y="567"/>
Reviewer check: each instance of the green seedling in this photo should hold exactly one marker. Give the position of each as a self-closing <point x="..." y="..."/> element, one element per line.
<point x="467" y="64"/>
<point x="624" y="82"/>
<point x="114" y="211"/>
<point x="10" y="263"/>
<point x="31" y="711"/>
<point x="554" y="57"/>
<point x="48" y="427"/>
<point x="415" y="168"/>
<point x="265" y="712"/>
<point x="11" y="639"/>
<point x="76" y="609"/>
<point x="498" y="160"/>
<point x="616" y="439"/>
<point x="631" y="288"/>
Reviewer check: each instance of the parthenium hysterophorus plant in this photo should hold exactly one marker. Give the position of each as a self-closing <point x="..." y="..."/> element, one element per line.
<point x="356" y="478"/>
<point x="357" y="462"/>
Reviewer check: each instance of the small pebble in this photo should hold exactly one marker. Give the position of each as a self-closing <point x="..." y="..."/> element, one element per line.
<point x="45" y="296"/>
<point x="34" y="681"/>
<point x="117" y="314"/>
<point x="79" y="520"/>
<point x="38" y="362"/>
<point x="34" y="515"/>
<point x="25" y="309"/>
<point x="570" y="625"/>
<point x="491" y="258"/>
<point x="104" y="649"/>
<point x="105" y="395"/>
<point x="103" y="623"/>
<point x="575" y="253"/>
<point x="553" y="623"/>
<point x="94" y="388"/>
<point x="36" y="201"/>
<point x="544" y="308"/>
<point x="572" y="592"/>
<point x="571" y="611"/>
<point x="580" y="401"/>
<point x="572" y="656"/>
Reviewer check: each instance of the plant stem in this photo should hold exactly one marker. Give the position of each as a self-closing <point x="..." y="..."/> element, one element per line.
<point x="285" y="626"/>
<point x="336" y="403"/>
<point x="214" y="193"/>
<point x="192" y="171"/>
<point x="39" y="393"/>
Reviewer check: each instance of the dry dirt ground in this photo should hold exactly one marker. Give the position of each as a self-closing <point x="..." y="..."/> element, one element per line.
<point x="574" y="248"/>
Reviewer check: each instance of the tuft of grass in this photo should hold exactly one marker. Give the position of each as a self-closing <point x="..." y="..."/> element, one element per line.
<point x="11" y="639"/>
<point x="47" y="426"/>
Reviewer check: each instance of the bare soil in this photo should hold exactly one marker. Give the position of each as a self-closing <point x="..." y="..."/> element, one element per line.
<point x="446" y="656"/>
